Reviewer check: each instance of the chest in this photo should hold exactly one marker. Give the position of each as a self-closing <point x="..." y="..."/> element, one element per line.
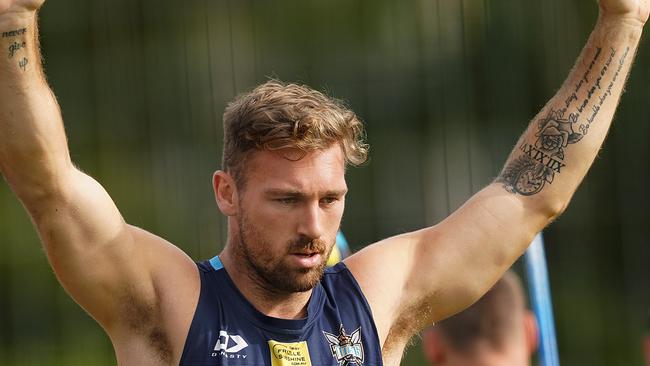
<point x="228" y="338"/>
<point x="228" y="330"/>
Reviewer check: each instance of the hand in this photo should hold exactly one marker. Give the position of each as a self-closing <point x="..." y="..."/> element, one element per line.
<point x="635" y="11"/>
<point x="18" y="7"/>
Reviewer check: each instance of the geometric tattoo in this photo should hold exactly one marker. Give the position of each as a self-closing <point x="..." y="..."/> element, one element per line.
<point x="538" y="163"/>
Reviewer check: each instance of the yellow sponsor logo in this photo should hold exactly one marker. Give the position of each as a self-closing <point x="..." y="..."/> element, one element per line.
<point x="289" y="354"/>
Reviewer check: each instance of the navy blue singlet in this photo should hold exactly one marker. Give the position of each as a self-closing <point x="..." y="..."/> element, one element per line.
<point x="227" y="330"/>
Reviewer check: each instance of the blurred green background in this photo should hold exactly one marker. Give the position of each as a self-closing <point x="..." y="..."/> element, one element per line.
<point x="444" y="86"/>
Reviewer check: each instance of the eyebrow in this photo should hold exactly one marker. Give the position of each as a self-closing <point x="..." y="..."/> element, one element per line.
<point x="300" y="194"/>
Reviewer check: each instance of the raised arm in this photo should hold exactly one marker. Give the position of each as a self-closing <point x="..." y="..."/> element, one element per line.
<point x="73" y="214"/>
<point x="115" y="271"/>
<point x="438" y="271"/>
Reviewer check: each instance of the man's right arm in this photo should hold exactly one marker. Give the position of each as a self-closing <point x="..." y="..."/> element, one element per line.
<point x="105" y="264"/>
<point x="442" y="269"/>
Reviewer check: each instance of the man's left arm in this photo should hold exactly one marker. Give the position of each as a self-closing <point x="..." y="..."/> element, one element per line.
<point x="417" y="278"/>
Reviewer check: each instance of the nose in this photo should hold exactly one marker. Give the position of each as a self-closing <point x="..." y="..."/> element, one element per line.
<point x="310" y="222"/>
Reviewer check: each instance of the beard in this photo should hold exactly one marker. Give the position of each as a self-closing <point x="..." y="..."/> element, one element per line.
<point x="270" y="269"/>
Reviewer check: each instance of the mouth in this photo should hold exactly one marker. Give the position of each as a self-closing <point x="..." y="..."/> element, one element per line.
<point x="306" y="259"/>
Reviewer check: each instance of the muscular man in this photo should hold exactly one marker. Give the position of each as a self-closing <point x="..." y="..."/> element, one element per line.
<point x="497" y="330"/>
<point x="264" y="300"/>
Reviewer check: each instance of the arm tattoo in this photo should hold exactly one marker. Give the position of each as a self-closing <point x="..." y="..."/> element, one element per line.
<point x="23" y="63"/>
<point x="15" y="47"/>
<point x="538" y="163"/>
<point x="14" y="33"/>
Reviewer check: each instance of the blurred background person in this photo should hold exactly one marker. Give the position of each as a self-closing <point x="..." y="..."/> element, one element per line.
<point x="497" y="330"/>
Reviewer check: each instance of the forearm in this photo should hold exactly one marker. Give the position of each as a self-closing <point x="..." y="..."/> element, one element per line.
<point x="33" y="147"/>
<point x="553" y="155"/>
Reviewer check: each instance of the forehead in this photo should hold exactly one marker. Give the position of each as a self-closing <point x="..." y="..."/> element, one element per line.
<point x="291" y="169"/>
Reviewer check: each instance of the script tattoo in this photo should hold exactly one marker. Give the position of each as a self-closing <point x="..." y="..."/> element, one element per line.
<point x="585" y="79"/>
<point x="23" y="63"/>
<point x="592" y="90"/>
<point x="584" y="128"/>
<point x="538" y="163"/>
<point x="14" y="33"/>
<point x="16" y="46"/>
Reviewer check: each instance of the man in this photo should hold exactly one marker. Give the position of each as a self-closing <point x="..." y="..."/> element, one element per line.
<point x="497" y="330"/>
<point x="264" y="300"/>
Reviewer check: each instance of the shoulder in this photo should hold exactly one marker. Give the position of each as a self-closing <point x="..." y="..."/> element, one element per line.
<point x="340" y="286"/>
<point x="340" y="275"/>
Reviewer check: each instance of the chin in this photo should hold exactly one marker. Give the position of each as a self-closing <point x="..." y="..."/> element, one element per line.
<point x="301" y="281"/>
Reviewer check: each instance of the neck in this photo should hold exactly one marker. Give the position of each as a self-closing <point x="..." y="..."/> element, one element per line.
<point x="266" y="299"/>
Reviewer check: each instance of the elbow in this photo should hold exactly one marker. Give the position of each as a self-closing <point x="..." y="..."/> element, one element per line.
<point x="543" y="210"/>
<point x="553" y="208"/>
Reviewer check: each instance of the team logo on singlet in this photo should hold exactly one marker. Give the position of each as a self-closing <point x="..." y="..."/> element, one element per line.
<point x="346" y="349"/>
<point x="229" y="346"/>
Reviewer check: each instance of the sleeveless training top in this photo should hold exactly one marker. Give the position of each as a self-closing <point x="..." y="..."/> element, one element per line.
<point x="227" y="330"/>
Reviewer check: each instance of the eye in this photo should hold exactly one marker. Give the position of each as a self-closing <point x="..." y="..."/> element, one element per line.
<point x="287" y="200"/>
<point x="329" y="200"/>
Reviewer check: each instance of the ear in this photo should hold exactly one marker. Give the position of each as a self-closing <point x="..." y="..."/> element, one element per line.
<point x="531" y="331"/>
<point x="225" y="193"/>
<point x="433" y="346"/>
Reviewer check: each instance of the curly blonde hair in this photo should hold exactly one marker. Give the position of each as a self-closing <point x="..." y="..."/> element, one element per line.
<point x="276" y="116"/>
